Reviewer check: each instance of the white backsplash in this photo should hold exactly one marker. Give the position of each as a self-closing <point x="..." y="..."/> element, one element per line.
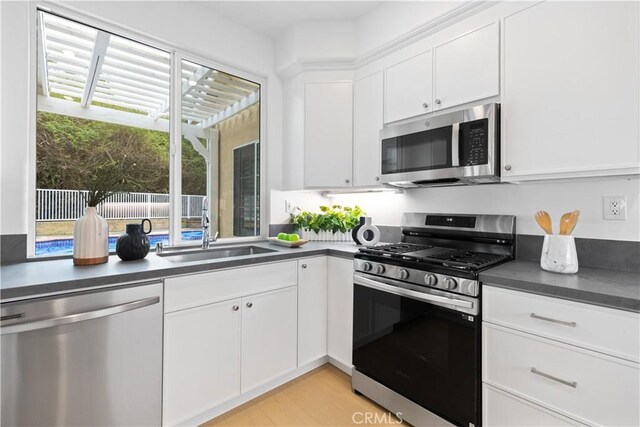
<point x="522" y="200"/>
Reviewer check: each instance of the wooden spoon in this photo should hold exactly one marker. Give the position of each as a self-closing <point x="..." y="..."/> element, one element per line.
<point x="575" y="215"/>
<point x="565" y="220"/>
<point x="568" y="222"/>
<point x="544" y="221"/>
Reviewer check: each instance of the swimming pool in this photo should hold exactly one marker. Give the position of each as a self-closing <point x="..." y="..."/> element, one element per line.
<point x="65" y="246"/>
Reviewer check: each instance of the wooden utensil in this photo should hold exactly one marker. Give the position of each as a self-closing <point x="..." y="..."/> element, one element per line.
<point x="565" y="220"/>
<point x="568" y="222"/>
<point x="544" y="221"/>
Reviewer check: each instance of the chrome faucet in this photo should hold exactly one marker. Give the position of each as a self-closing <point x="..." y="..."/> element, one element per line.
<point x="205" y="227"/>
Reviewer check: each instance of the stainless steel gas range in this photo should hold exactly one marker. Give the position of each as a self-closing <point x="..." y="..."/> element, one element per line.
<point x="416" y="318"/>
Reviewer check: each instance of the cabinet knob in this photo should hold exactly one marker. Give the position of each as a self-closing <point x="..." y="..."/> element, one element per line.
<point x="425" y="105"/>
<point x="438" y="101"/>
<point x="377" y="178"/>
<point x="235" y="308"/>
<point x="304" y="266"/>
<point x="249" y="304"/>
<point x="507" y="167"/>
<point x="347" y="180"/>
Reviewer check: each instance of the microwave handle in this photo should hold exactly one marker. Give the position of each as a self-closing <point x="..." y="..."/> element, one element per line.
<point x="455" y="144"/>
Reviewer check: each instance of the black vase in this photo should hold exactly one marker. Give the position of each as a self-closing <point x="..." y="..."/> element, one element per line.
<point x="134" y="244"/>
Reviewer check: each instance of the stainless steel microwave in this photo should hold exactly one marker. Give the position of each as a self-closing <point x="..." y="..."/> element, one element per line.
<point x="456" y="148"/>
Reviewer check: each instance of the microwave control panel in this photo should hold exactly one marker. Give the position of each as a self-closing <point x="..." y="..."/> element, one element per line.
<point x="473" y="143"/>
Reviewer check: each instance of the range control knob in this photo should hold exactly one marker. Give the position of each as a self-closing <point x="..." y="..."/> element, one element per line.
<point x="379" y="269"/>
<point x="450" y="283"/>
<point x="403" y="274"/>
<point x="430" y="279"/>
<point x="366" y="266"/>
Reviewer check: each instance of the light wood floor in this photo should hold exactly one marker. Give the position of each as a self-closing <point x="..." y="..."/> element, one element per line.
<point x="322" y="397"/>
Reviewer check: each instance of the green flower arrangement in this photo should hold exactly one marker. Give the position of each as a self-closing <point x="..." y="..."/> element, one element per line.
<point x="335" y="218"/>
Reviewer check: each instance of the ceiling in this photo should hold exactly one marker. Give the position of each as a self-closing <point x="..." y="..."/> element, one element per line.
<point x="273" y="17"/>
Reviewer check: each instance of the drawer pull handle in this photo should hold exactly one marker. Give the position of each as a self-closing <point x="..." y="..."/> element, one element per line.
<point x="548" y="319"/>
<point x="556" y="379"/>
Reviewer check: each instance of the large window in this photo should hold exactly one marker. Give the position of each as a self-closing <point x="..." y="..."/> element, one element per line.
<point x="104" y="101"/>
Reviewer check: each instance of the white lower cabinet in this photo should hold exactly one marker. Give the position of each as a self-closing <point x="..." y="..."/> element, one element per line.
<point x="312" y="309"/>
<point x="269" y="344"/>
<point x="502" y="409"/>
<point x="540" y="367"/>
<point x="201" y="359"/>
<point x="217" y="351"/>
<point x="340" y="311"/>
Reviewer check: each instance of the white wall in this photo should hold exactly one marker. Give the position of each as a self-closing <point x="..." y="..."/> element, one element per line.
<point x="305" y="200"/>
<point x="187" y="25"/>
<point x="316" y="41"/>
<point x="14" y="110"/>
<point x="522" y="200"/>
<point x="393" y="19"/>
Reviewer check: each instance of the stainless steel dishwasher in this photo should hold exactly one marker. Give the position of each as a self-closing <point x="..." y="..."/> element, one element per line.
<point x="85" y="359"/>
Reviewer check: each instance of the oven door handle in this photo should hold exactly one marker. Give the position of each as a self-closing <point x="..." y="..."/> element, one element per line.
<point x="419" y="296"/>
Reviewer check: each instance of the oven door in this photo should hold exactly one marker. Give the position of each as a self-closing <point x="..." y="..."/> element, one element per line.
<point x="419" y="345"/>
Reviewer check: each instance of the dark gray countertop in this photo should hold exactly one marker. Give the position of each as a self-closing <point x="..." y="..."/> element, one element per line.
<point x="41" y="278"/>
<point x="607" y="288"/>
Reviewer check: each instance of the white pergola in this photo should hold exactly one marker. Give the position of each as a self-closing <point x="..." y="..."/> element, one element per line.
<point x="87" y="73"/>
<point x="91" y="74"/>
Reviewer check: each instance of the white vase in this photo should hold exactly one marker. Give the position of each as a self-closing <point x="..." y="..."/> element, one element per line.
<point x="559" y="254"/>
<point x="90" y="239"/>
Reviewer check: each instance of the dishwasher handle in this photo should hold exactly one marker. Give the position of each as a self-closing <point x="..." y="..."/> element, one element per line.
<point x="77" y="317"/>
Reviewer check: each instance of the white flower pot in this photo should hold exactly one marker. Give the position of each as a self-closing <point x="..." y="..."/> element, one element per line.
<point x="90" y="239"/>
<point x="325" y="236"/>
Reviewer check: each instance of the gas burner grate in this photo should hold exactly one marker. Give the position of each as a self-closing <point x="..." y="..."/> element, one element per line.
<point x="394" y="250"/>
<point x="466" y="259"/>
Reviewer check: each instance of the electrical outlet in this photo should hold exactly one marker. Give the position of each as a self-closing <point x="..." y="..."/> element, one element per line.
<point x="287" y="206"/>
<point x="615" y="207"/>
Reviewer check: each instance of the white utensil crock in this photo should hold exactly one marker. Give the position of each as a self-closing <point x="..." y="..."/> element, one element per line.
<point x="90" y="239"/>
<point x="559" y="254"/>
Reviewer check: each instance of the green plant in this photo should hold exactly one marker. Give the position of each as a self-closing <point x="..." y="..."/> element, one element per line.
<point x="108" y="178"/>
<point x="335" y="218"/>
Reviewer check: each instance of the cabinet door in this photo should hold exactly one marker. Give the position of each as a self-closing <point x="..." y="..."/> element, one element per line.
<point x="269" y="332"/>
<point x="367" y="122"/>
<point x="409" y="88"/>
<point x="201" y="359"/>
<point x="571" y="90"/>
<point x="340" y="310"/>
<point x="312" y="309"/>
<point x="503" y="409"/>
<point x="468" y="68"/>
<point x="328" y="134"/>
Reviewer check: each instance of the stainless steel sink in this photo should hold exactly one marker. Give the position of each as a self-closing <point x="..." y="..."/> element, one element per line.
<point x="214" y="253"/>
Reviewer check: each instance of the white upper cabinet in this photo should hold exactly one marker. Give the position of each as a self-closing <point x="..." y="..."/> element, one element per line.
<point x="367" y="122"/>
<point x="409" y="88"/>
<point x="468" y="68"/>
<point x="571" y="96"/>
<point x="328" y="134"/>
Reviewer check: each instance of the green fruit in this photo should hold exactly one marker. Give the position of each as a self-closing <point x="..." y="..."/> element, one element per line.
<point x="293" y="237"/>
<point x="283" y="236"/>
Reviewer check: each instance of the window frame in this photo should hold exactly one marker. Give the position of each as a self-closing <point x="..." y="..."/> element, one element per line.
<point x="177" y="54"/>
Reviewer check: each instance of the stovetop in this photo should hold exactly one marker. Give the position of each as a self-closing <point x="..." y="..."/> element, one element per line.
<point x="425" y="255"/>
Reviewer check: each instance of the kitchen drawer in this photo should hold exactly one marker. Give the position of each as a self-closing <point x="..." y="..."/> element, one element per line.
<point x="606" y="330"/>
<point x="199" y="289"/>
<point x="500" y="408"/>
<point x="584" y="385"/>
